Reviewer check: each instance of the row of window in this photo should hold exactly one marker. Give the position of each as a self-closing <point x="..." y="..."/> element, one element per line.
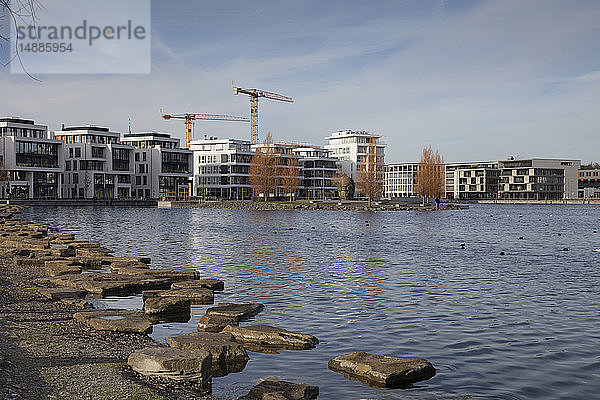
<point x="23" y="132"/>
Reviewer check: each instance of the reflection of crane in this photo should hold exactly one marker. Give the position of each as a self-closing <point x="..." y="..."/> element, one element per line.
<point x="254" y="95"/>
<point x="189" y="119"/>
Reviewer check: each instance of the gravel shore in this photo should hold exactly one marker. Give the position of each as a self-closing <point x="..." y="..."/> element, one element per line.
<point x="45" y="353"/>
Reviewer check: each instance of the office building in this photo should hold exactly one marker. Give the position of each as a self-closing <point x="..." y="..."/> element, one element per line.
<point x="31" y="161"/>
<point x="538" y="179"/>
<point x="97" y="164"/>
<point x="163" y="170"/>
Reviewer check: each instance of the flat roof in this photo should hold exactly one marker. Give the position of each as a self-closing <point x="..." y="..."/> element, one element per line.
<point x="84" y="128"/>
<point x="18" y="120"/>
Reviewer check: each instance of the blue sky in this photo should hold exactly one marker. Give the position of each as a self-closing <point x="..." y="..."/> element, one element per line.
<point x="478" y="80"/>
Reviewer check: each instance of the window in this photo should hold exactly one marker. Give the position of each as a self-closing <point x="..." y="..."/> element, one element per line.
<point x="68" y="165"/>
<point x="145" y="180"/>
<point x="144" y="156"/>
<point x="75" y="178"/>
<point x="137" y="157"/>
<point x="78" y="152"/>
<point x="71" y="152"/>
<point x="138" y="180"/>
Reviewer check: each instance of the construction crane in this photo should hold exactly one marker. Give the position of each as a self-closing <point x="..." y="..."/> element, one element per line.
<point x="189" y="119"/>
<point x="254" y="95"/>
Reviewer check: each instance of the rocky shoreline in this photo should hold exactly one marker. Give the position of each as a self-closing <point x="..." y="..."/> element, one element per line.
<point x="54" y="344"/>
<point x="304" y="205"/>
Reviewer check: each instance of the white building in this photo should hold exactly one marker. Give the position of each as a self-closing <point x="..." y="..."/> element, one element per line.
<point x="318" y="170"/>
<point x="399" y="180"/>
<point x="589" y="183"/>
<point x="538" y="179"/>
<point x="351" y="147"/>
<point x="97" y="165"/>
<point x="475" y="180"/>
<point x="220" y="168"/>
<point x="32" y="159"/>
<point x="162" y="168"/>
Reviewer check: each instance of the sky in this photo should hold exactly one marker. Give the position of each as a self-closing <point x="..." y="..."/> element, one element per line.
<point x="478" y="80"/>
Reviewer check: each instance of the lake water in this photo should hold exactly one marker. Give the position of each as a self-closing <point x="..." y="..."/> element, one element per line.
<point x="523" y="325"/>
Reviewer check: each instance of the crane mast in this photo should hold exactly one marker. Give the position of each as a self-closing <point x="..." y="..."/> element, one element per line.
<point x="254" y="95"/>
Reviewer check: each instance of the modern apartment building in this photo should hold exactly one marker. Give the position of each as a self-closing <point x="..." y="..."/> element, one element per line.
<point x="399" y="181"/>
<point x="162" y="168"/>
<point x="471" y="181"/>
<point x="317" y="169"/>
<point x="97" y="164"/>
<point x="220" y="168"/>
<point x="538" y="179"/>
<point x="589" y="183"/>
<point x="351" y="147"/>
<point x="31" y="161"/>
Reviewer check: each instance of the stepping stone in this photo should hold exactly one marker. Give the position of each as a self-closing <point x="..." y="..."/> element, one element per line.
<point x="117" y="266"/>
<point x="62" y="293"/>
<point x="145" y="260"/>
<point x="236" y="312"/>
<point x="92" y="252"/>
<point x="166" y="305"/>
<point x="274" y="389"/>
<point x="103" y="284"/>
<point x="228" y="355"/>
<point x="382" y="371"/>
<point x="173" y="364"/>
<point x="125" y="321"/>
<point x="212" y="284"/>
<point x="198" y="295"/>
<point x="62" y="267"/>
<point x="214" y="323"/>
<point x="80" y="244"/>
<point x="265" y="335"/>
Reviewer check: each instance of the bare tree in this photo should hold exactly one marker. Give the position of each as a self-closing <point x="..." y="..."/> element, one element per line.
<point x="291" y="176"/>
<point x="264" y="169"/>
<point x="3" y="175"/>
<point x="369" y="179"/>
<point x="430" y="175"/>
<point x="11" y="14"/>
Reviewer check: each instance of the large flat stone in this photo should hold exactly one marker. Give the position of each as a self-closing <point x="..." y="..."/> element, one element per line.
<point x="274" y="389"/>
<point x="104" y="284"/>
<point x="195" y="295"/>
<point x="173" y="364"/>
<point x="62" y="293"/>
<point x="166" y="305"/>
<point x="208" y="283"/>
<point x="214" y="323"/>
<point x="382" y="371"/>
<point x="236" y="312"/>
<point x="272" y="336"/>
<point x="125" y="321"/>
<point x="62" y="267"/>
<point x="228" y="355"/>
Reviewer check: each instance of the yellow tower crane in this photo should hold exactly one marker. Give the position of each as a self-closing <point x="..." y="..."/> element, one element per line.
<point x="254" y="95"/>
<point x="189" y="119"/>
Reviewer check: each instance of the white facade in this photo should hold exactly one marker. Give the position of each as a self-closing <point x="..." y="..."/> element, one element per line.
<point x="475" y="180"/>
<point x="162" y="169"/>
<point x="97" y="165"/>
<point x="399" y="180"/>
<point x="351" y="148"/>
<point x="220" y="168"/>
<point x="538" y="179"/>
<point x="32" y="160"/>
